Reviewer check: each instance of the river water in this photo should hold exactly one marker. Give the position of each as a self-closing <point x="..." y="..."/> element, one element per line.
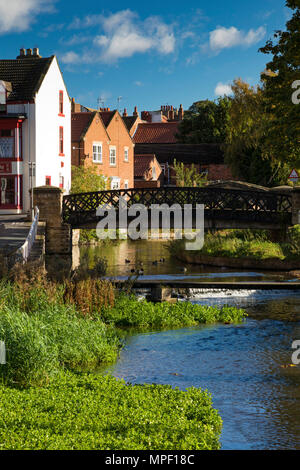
<point x="245" y="367"/>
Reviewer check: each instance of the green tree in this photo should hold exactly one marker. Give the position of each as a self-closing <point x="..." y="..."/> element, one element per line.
<point x="282" y="137"/>
<point x="205" y="122"/>
<point x="86" y="179"/>
<point x="188" y="176"/>
<point x="245" y="135"/>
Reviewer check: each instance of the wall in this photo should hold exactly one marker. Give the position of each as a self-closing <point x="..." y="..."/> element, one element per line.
<point x="48" y="122"/>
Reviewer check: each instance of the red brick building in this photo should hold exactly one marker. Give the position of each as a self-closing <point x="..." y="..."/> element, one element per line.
<point x="101" y="138"/>
<point x="147" y="172"/>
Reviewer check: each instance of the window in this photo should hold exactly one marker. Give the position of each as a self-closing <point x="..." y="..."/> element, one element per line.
<point x="61" y="141"/>
<point x="126" y="154"/>
<point x="115" y="183"/>
<point x="112" y="156"/>
<point x="126" y="184"/>
<point x="97" y="153"/>
<point x="48" y="181"/>
<point x="7" y="144"/>
<point x="61" y="182"/>
<point x="61" y="103"/>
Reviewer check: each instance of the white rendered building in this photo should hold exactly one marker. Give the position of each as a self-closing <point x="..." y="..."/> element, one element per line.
<point x="35" y="129"/>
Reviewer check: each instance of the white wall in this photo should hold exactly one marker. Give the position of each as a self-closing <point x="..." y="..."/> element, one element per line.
<point x="47" y="123"/>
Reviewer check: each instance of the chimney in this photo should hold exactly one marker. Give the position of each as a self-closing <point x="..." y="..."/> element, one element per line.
<point x="135" y="112"/>
<point x="180" y="113"/>
<point x="22" y="54"/>
<point x="125" y="114"/>
<point x="36" y="52"/>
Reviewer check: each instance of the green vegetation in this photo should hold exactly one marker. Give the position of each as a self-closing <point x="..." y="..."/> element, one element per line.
<point x="253" y="244"/>
<point x="282" y="133"/>
<point x="205" y="122"/>
<point x="102" y="413"/>
<point x="86" y="179"/>
<point x="54" y="332"/>
<point x="188" y="176"/>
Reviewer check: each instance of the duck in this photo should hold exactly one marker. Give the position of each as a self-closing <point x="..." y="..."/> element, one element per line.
<point x="183" y="270"/>
<point x="162" y="260"/>
<point x="155" y="263"/>
<point x="127" y="261"/>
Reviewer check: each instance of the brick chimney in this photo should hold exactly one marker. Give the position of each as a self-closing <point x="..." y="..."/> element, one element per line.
<point x="125" y="114"/>
<point x="180" y="113"/>
<point x="135" y="112"/>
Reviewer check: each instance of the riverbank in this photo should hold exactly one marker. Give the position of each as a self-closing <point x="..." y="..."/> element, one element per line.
<point x="52" y="332"/>
<point x="243" y="249"/>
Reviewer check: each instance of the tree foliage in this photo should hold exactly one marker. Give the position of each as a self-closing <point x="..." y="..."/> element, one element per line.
<point x="245" y="135"/>
<point x="282" y="136"/>
<point x="188" y="176"/>
<point x="86" y="179"/>
<point x="205" y="122"/>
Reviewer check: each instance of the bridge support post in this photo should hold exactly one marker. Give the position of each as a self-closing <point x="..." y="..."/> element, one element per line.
<point x="58" y="235"/>
<point x="296" y="206"/>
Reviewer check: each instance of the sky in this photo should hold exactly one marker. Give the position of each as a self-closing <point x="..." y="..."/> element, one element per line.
<point x="145" y="54"/>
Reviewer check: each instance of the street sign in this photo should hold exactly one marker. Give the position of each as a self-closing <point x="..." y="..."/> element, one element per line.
<point x="294" y="176"/>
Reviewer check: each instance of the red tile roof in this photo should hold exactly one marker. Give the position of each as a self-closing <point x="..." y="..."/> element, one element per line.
<point x="142" y="164"/>
<point x="80" y="123"/>
<point x="156" y="133"/>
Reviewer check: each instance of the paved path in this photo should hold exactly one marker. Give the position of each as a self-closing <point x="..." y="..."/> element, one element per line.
<point x="13" y="233"/>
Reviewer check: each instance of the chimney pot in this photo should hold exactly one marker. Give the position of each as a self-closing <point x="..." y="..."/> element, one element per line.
<point x="22" y="52"/>
<point x="29" y="52"/>
<point x="36" y="52"/>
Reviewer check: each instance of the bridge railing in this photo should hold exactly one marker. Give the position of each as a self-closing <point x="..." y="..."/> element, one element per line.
<point x="246" y="205"/>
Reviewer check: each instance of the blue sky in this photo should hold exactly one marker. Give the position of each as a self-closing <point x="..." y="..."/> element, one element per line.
<point x="150" y="54"/>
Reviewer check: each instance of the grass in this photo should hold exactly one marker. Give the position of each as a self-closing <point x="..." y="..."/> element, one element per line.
<point x="246" y="244"/>
<point x="47" y="401"/>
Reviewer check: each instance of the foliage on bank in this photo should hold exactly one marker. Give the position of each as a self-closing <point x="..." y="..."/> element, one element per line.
<point x="252" y="244"/>
<point x="90" y="412"/>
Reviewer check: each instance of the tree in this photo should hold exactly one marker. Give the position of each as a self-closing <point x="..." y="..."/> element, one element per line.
<point x="245" y="138"/>
<point x="204" y="122"/>
<point x="86" y="179"/>
<point x="188" y="176"/>
<point x="282" y="138"/>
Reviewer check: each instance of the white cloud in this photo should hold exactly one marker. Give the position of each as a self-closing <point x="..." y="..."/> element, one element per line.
<point x="70" y="58"/>
<point x="138" y="83"/>
<point x="223" y="89"/>
<point x="123" y="34"/>
<point x="18" y="15"/>
<point x="222" y="38"/>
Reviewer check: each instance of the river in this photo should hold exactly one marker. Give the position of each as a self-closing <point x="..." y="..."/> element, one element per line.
<point x="245" y="367"/>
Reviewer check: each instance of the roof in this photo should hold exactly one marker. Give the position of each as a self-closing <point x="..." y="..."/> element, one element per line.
<point x="130" y="121"/>
<point x="142" y="163"/>
<point x="156" y="133"/>
<point x="80" y="122"/>
<point x="203" y="154"/>
<point x="107" y="116"/>
<point x="26" y="76"/>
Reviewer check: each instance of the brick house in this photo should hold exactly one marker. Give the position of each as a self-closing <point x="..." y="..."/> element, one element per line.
<point x="160" y="139"/>
<point x="35" y="129"/>
<point x="147" y="172"/>
<point x="101" y="138"/>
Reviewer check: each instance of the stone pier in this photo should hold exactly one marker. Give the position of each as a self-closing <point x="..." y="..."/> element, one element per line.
<point x="58" y="234"/>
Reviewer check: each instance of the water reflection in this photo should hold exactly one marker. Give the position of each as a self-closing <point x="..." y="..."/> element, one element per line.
<point x="149" y="253"/>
